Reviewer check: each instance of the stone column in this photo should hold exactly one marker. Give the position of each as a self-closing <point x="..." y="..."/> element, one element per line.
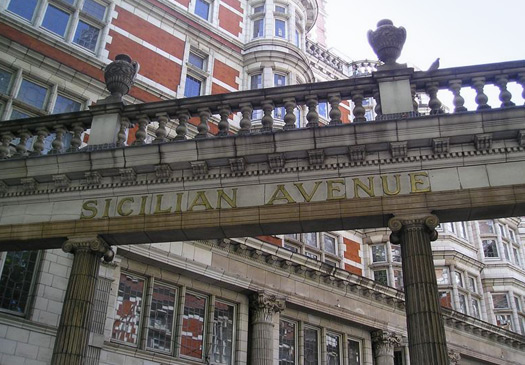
<point x="72" y="338"/>
<point x="426" y="329"/>
<point x="384" y="344"/>
<point x="262" y="308"/>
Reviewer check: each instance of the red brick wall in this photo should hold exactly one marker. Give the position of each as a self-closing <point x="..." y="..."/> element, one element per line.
<point x="352" y="250"/>
<point x="236" y="4"/>
<point x="345" y="113"/>
<point x="217" y="89"/>
<point x="186" y="3"/>
<point x="271" y="239"/>
<point x="226" y="74"/>
<point x="230" y="21"/>
<point x="353" y="270"/>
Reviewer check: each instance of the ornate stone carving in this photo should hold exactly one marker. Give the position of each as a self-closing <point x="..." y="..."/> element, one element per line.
<point x="163" y="171"/>
<point x="3" y="188"/>
<point x="264" y="305"/>
<point x="440" y="145"/>
<point x="29" y="184"/>
<point x="396" y="224"/>
<point x="357" y="153"/>
<point x="61" y="181"/>
<point x="199" y="168"/>
<point x="387" y="41"/>
<point x="276" y="161"/>
<point x="398" y="149"/>
<point x="384" y="343"/>
<point x="89" y="244"/>
<point x="521" y="138"/>
<point x="316" y="157"/>
<point x="453" y="357"/>
<point x="483" y="142"/>
<point x="127" y="175"/>
<point x="237" y="164"/>
<point x="120" y="75"/>
<point x="92" y="178"/>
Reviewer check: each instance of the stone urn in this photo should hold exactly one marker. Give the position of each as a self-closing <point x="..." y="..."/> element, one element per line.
<point x="387" y="41"/>
<point x="120" y="75"/>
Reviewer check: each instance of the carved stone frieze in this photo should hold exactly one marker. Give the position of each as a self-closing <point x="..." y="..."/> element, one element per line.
<point x="163" y="171"/>
<point x="440" y="145"/>
<point x="398" y="149"/>
<point x="316" y="157"/>
<point x="61" y="181"/>
<point x="483" y="142"/>
<point x="92" y="178"/>
<point x="276" y="161"/>
<point x="237" y="164"/>
<point x="29" y="184"/>
<point x="454" y="357"/>
<point x="264" y="306"/>
<point x="357" y="153"/>
<point x="128" y="175"/>
<point x="199" y="168"/>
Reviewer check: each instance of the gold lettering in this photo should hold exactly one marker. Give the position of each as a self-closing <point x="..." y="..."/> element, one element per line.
<point x="415" y="181"/>
<point x="178" y="205"/>
<point x="200" y="200"/>
<point x="386" y="190"/>
<point x="87" y="206"/>
<point x="330" y="189"/>
<point x="120" y="206"/>
<point x="281" y="193"/>
<point x="307" y="197"/>
<point x="367" y="189"/>
<point x="106" y="208"/>
<point x="143" y="202"/>
<point x="158" y="206"/>
<point x="232" y="202"/>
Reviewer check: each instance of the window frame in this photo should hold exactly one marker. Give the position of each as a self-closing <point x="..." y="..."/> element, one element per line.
<point x="340" y="339"/>
<point x="234" y="331"/>
<point x="210" y="10"/>
<point x="318" y="339"/>
<point x="146" y="328"/>
<point x="204" y="325"/>
<point x="295" y="340"/>
<point x="360" y="345"/>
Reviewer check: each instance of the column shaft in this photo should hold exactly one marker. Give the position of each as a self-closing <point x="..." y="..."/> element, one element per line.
<point x="425" y="326"/>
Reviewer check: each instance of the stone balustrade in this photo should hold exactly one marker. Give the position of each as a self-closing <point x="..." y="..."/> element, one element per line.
<point x="28" y="137"/>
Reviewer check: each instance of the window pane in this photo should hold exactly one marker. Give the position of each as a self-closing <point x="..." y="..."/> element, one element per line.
<point x="129" y="308"/>
<point x="32" y="94"/>
<point x="5" y="80"/>
<point x="323" y="109"/>
<point x="486" y="227"/>
<point x="192" y="337"/>
<point x="256" y="82"/>
<point x="311" y="346"/>
<point x="55" y="20"/>
<point x="442" y="276"/>
<point x="202" y="9"/>
<point x="396" y="253"/>
<point x="378" y="253"/>
<point x="223" y="333"/>
<point x="516" y="255"/>
<point x="258" y="9"/>
<point x="462" y="230"/>
<point x="297" y="39"/>
<point x="310" y="239"/>
<point x="290" y="248"/>
<point x="398" y="279"/>
<point x="161" y="313"/>
<point x="475" y="309"/>
<point x="280" y="28"/>
<point x="24" y="8"/>
<point x="280" y="9"/>
<point x="279" y="80"/>
<point x="445" y="300"/>
<point x="258" y="28"/>
<point x="286" y="343"/>
<point x="17" y="114"/>
<point x="196" y="61"/>
<point x="332" y="349"/>
<point x="490" y="249"/>
<point x="86" y="35"/>
<point x="381" y="277"/>
<point x="329" y="244"/>
<point x="94" y="9"/>
<point x="500" y="301"/>
<point x="462" y="304"/>
<point x="17" y="276"/>
<point x="192" y="87"/>
<point x="506" y="251"/>
<point x="504" y="320"/>
<point x="459" y="279"/>
<point x="65" y="105"/>
<point x="354" y="355"/>
<point x="472" y="284"/>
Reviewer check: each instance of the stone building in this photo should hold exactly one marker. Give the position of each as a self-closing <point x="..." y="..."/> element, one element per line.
<point x="325" y="297"/>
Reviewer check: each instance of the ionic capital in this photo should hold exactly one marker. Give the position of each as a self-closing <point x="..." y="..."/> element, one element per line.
<point x="400" y="224"/>
<point x="264" y="306"/>
<point x="89" y="244"/>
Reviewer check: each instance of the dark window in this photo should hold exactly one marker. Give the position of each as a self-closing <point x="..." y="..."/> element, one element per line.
<point x="32" y="94"/>
<point x="381" y="277"/>
<point x="127" y="322"/>
<point x="286" y="343"/>
<point x="490" y="249"/>
<point x="258" y="28"/>
<point x="223" y="319"/>
<point x="5" y="80"/>
<point x="160" y="329"/>
<point x="311" y="346"/>
<point x="354" y="353"/>
<point x="16" y="280"/>
<point x="196" y="61"/>
<point x="280" y="28"/>
<point x="333" y="350"/>
<point x="192" y="338"/>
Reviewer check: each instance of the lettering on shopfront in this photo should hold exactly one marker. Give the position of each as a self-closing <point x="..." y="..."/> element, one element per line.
<point x="258" y="195"/>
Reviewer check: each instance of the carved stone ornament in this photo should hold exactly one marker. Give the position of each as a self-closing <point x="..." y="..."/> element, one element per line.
<point x="163" y="171"/>
<point x="120" y="75"/>
<point x="61" y="181"/>
<point x="521" y="138"/>
<point x="316" y="157"/>
<point x="199" y="168"/>
<point x="89" y="244"/>
<point x="387" y="41"/>
<point x="29" y="184"/>
<point x="453" y="357"/>
<point x="440" y="145"/>
<point x="237" y="164"/>
<point x="357" y="153"/>
<point x="384" y="342"/>
<point x="127" y="174"/>
<point x="398" y="149"/>
<point x="264" y="306"/>
<point x="92" y="178"/>
<point x="276" y="160"/>
<point x="483" y="142"/>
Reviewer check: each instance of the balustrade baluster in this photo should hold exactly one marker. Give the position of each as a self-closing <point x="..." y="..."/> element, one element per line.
<point x="455" y="86"/>
<point x="377" y="108"/>
<point x="121" y="136"/>
<point x="359" y="110"/>
<point x="5" y="140"/>
<point x="21" y="147"/>
<point x="478" y="83"/>
<point x="141" y="133"/>
<point x="182" y="128"/>
<point x="58" y="143"/>
<point x="76" y="139"/>
<point x="335" y="112"/>
<point x="38" y="146"/>
<point x="521" y="81"/>
<point x="161" y="132"/>
<point x="224" y="124"/>
<point x="289" y="118"/>
<point x="434" y="104"/>
<point x="504" y="96"/>
<point x="415" y="104"/>
<point x="312" y="116"/>
<point x="267" y="119"/>
<point x="246" y="121"/>
<point x="202" y="128"/>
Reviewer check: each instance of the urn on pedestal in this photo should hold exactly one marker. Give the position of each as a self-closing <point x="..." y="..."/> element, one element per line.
<point x="119" y="76"/>
<point x="387" y="41"/>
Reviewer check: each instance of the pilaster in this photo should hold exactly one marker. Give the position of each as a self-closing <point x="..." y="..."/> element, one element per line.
<point x="426" y="331"/>
<point x="72" y="338"/>
<point x="384" y="344"/>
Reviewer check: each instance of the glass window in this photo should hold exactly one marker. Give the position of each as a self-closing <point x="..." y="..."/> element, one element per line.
<point x="462" y="303"/>
<point x="504" y="320"/>
<point x="192" y="87"/>
<point x="490" y="249"/>
<point x="516" y="256"/>
<point x="256" y="82"/>
<point x="445" y="299"/>
<point x="55" y="20"/>
<point x="86" y="35"/>
<point x="280" y="28"/>
<point x="451" y="227"/>
<point x="443" y="276"/>
<point x="162" y="310"/>
<point x="506" y="251"/>
<point x="258" y="28"/>
<point x="329" y="244"/>
<point x="378" y="253"/>
<point x="399" y="357"/>
<point x="280" y="9"/>
<point x="517" y="303"/>
<point x="381" y="277"/>
<point x="32" y="94"/>
<point x="311" y="346"/>
<point x="459" y="278"/>
<point x="223" y="324"/>
<point x="279" y="80"/>
<point x="333" y="349"/>
<point x="502" y="231"/>
<point x="18" y="271"/>
<point x="354" y="352"/>
<point x="512" y="235"/>
<point x="297" y="38"/>
<point x="286" y="342"/>
<point x="310" y="239"/>
<point x="472" y="284"/>
<point x="5" y="80"/>
<point x="291" y="247"/>
<point x="462" y="229"/>
<point x="323" y="109"/>
<point x="24" y="8"/>
<point x="398" y="279"/>
<point x="396" y="253"/>
<point x="17" y="114"/>
<point x="475" y="308"/>
<point x="94" y="9"/>
<point x="202" y="9"/>
<point x="192" y="337"/>
<point x="500" y="301"/>
<point x="486" y="227"/>
<point x="127" y="321"/>
<point x="65" y="105"/>
<point x="196" y="61"/>
<point x="258" y="9"/>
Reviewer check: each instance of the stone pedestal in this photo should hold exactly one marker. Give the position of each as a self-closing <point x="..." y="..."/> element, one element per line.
<point x="384" y="344"/>
<point x="262" y="309"/>
<point x="73" y="330"/>
<point x="426" y="330"/>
